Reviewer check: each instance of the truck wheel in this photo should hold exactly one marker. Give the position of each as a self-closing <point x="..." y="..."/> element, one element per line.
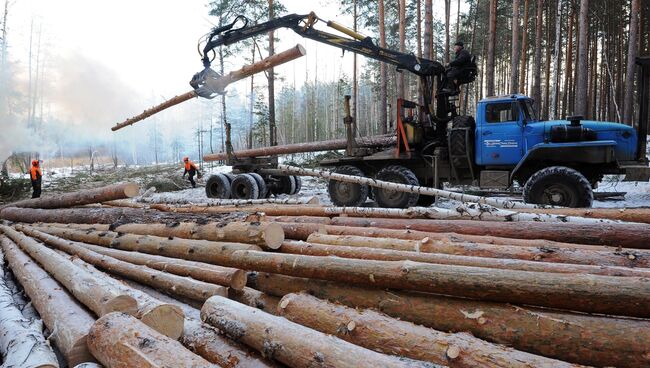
<point x="347" y="194"/>
<point x="391" y="198"/>
<point x="261" y="185"/>
<point x="244" y="187"/>
<point x="458" y="144"/>
<point x="558" y="186"/>
<point x="217" y="186"/>
<point x="298" y="181"/>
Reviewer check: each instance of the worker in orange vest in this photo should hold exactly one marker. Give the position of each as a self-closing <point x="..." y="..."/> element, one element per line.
<point x="191" y="169"/>
<point x="36" y="175"/>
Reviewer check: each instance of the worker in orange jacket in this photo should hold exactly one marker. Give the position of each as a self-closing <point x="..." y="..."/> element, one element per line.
<point x="36" y="175"/>
<point x="191" y="169"/>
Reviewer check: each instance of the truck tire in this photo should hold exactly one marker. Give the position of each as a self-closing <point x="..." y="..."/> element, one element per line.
<point x="347" y="194"/>
<point x="558" y="186"/>
<point x="261" y="185"/>
<point x="457" y="143"/>
<point x="394" y="199"/>
<point x="244" y="187"/>
<point x="217" y="186"/>
<point x="298" y="181"/>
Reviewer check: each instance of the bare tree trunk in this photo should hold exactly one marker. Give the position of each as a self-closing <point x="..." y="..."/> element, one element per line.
<point x="583" y="66"/>
<point x="447" y="42"/>
<point x="402" y="46"/>
<point x="553" y="109"/>
<point x="492" y="36"/>
<point x="524" y="52"/>
<point x="428" y="29"/>
<point x="271" y="79"/>
<point x="633" y="45"/>
<point x="537" y="66"/>
<point x="514" y="58"/>
<point x="355" y="82"/>
<point x="383" y="92"/>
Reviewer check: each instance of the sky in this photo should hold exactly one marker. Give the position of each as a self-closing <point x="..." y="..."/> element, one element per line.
<point x="105" y="61"/>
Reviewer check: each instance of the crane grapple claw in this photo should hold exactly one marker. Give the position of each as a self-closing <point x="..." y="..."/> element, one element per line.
<point x="207" y="83"/>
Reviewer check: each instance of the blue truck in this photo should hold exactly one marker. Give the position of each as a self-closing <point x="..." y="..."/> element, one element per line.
<point x="504" y="146"/>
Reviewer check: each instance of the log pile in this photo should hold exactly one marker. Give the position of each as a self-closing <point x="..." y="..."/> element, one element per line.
<point x="314" y="286"/>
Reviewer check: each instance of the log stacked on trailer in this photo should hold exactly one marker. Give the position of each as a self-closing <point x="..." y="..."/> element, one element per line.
<point x="387" y="295"/>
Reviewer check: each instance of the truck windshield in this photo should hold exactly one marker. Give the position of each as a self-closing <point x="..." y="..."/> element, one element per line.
<point x="529" y="111"/>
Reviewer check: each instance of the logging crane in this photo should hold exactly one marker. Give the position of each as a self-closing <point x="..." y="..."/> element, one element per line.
<point x="507" y="145"/>
<point x="434" y="114"/>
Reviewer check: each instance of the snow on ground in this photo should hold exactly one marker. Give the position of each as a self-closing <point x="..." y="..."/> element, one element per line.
<point x="637" y="193"/>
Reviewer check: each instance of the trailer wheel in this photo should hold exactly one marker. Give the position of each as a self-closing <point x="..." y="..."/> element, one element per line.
<point x="217" y="186"/>
<point x="261" y="185"/>
<point x="244" y="187"/>
<point x="391" y="198"/>
<point x="347" y="194"/>
<point x="298" y="181"/>
<point x="558" y="186"/>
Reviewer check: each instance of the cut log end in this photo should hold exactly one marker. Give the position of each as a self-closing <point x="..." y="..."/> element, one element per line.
<point x="239" y="280"/>
<point x="167" y="319"/>
<point x="121" y="303"/>
<point x="273" y="235"/>
<point x="79" y="353"/>
<point x="131" y="190"/>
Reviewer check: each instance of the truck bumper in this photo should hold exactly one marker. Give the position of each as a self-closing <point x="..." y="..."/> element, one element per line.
<point x="638" y="172"/>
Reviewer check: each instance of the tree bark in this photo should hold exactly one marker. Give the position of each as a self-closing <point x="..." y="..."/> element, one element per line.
<point x="582" y="64"/>
<point x="182" y="286"/>
<point x="291" y="343"/>
<point x="119" y="340"/>
<point x="428" y="29"/>
<point x="524" y="52"/>
<point x="68" y="320"/>
<point x="385" y="249"/>
<point x="22" y="343"/>
<point x="224" y="276"/>
<point x="447" y="43"/>
<point x="388" y="335"/>
<point x="514" y="58"/>
<point x="641" y="215"/>
<point x="82" y="197"/>
<point x="492" y="35"/>
<point x="421" y="190"/>
<point x="219" y="202"/>
<point x="553" y="109"/>
<point x="206" y="340"/>
<point x="401" y="93"/>
<point x="92" y="292"/>
<point x="577" y="338"/>
<point x="451" y="244"/>
<point x="165" y="318"/>
<point x="383" y="70"/>
<point x="193" y="250"/>
<point x="265" y="234"/>
<point x="615" y="235"/>
<point x="299" y="228"/>
<point x="273" y="138"/>
<point x="287" y="149"/>
<point x="633" y="46"/>
<point x="537" y="63"/>
<point x="256" y="299"/>
<point x="627" y="296"/>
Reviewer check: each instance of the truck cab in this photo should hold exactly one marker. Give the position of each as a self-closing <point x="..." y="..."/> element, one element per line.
<point x="557" y="162"/>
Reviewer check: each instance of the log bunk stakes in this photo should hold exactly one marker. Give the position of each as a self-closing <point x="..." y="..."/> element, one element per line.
<point x="294" y="283"/>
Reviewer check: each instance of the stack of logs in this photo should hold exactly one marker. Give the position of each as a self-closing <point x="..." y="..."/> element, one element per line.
<point x="255" y="286"/>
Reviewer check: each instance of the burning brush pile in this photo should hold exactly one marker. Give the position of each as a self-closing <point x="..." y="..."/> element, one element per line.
<point x="259" y="284"/>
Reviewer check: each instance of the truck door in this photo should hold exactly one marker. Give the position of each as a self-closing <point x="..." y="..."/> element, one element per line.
<point x="501" y="134"/>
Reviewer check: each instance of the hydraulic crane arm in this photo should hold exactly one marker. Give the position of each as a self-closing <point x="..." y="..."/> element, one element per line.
<point x="304" y="26"/>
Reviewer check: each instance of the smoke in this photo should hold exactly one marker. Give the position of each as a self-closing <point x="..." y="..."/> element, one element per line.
<point x="78" y="100"/>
